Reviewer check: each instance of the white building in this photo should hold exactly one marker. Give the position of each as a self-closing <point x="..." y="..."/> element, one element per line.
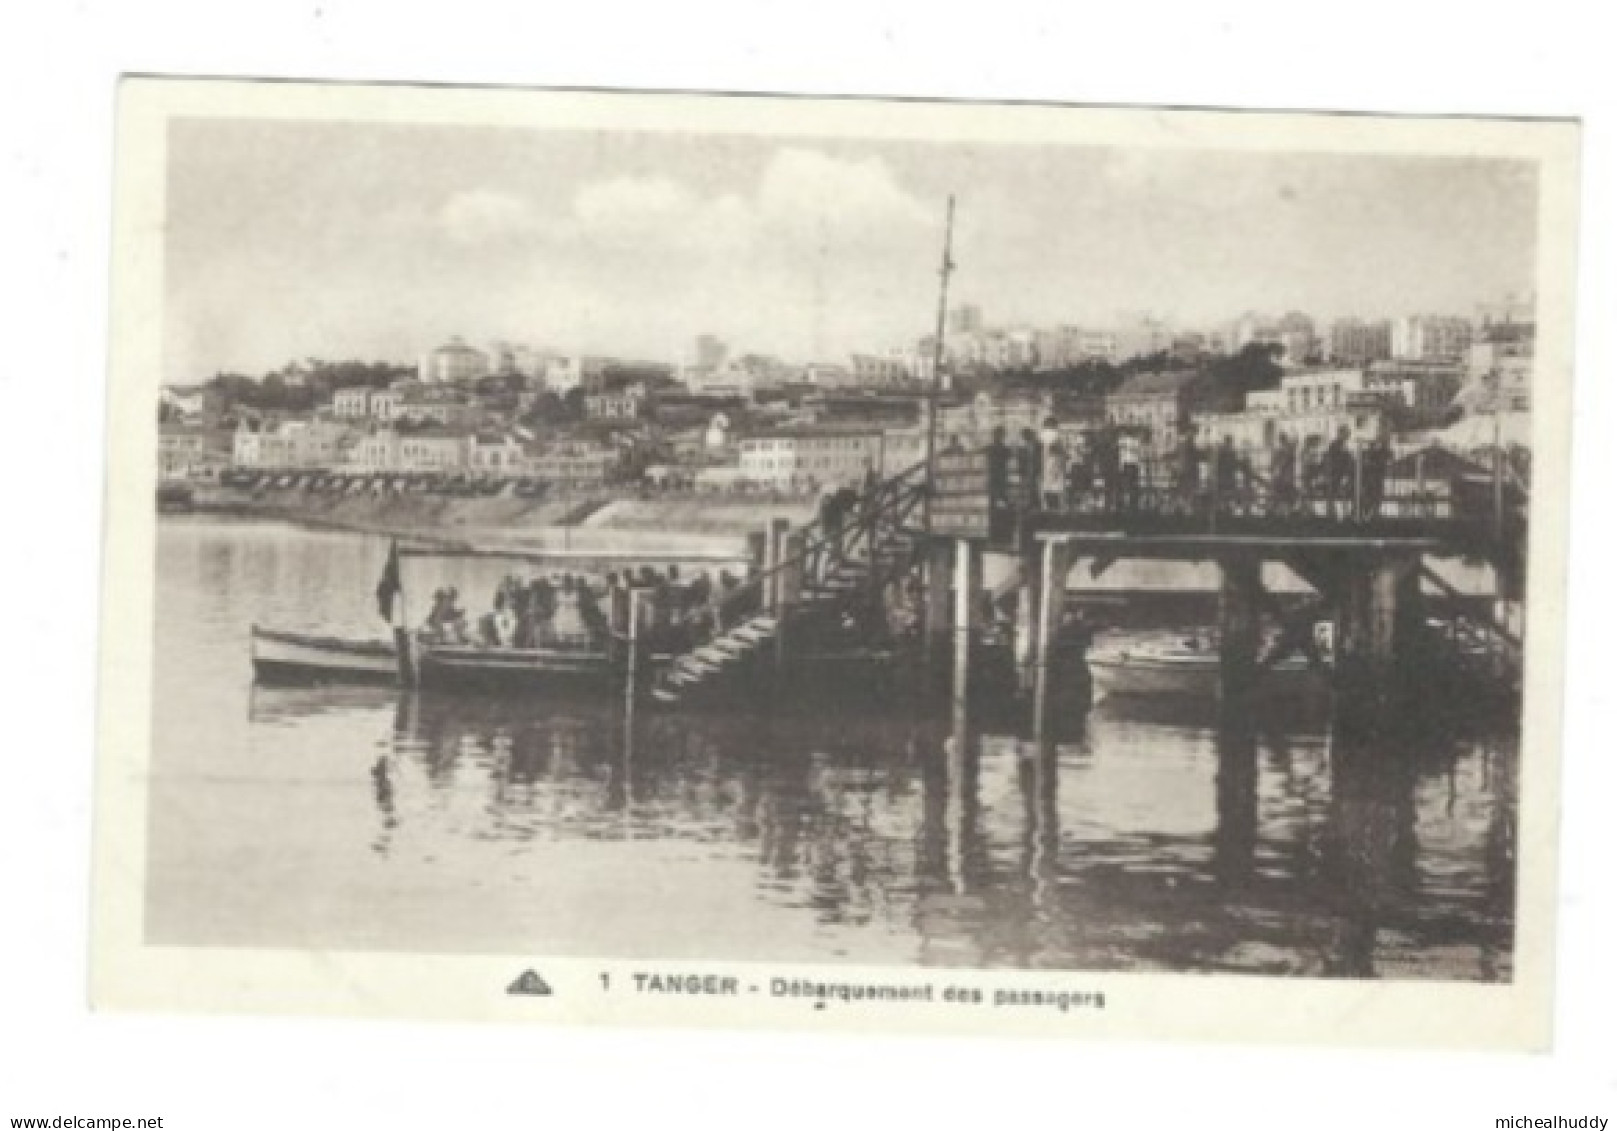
<point x="810" y="458"/>
<point x="352" y="403"/>
<point x="454" y="361"/>
<point x="1431" y="337"/>
<point x="564" y="374"/>
<point x="627" y="403"/>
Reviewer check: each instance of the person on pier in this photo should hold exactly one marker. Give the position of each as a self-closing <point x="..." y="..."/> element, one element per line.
<point x="1339" y="475"/>
<point x="1283" y="475"/>
<point x="999" y="485"/>
<point x="1031" y="467"/>
<point x="1226" y="475"/>
<point x="1373" y="487"/>
<point x="1311" y="479"/>
<point x="1130" y="462"/>
<point x="1054" y="487"/>
<point x="1106" y="458"/>
<point x="1187" y="470"/>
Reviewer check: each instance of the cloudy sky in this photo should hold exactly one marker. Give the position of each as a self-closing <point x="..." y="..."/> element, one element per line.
<point x="288" y="240"/>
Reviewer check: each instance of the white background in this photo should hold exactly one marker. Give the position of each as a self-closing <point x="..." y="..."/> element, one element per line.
<point x="58" y="66"/>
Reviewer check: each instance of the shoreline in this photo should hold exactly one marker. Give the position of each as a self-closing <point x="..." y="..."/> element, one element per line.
<point x="605" y="528"/>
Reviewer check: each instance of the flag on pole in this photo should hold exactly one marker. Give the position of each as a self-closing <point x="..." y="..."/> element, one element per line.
<point x="389" y="587"/>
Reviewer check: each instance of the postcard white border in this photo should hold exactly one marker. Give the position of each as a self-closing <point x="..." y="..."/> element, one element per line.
<point x="128" y="974"/>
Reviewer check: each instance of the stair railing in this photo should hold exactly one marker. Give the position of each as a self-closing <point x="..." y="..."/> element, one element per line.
<point x="895" y="499"/>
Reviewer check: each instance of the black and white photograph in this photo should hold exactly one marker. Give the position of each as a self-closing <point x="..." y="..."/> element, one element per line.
<point x="760" y="554"/>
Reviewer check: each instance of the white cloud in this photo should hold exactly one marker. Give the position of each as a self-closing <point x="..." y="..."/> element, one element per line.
<point x="483" y="216"/>
<point x="807" y="192"/>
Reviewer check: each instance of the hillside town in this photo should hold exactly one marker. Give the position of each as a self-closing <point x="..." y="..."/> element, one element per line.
<point x="513" y="417"/>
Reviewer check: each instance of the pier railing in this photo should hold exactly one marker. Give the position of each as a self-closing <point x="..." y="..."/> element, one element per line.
<point x="880" y="518"/>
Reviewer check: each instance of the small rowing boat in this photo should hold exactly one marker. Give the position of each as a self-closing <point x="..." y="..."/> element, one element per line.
<point x="1189" y="667"/>
<point x="280" y="656"/>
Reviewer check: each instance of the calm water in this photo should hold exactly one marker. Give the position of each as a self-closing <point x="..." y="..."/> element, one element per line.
<point x="1139" y="841"/>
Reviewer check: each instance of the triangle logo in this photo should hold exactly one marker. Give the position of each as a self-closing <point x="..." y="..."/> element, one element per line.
<point x="529" y="984"/>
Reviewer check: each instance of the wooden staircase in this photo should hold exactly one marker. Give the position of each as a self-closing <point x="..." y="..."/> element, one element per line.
<point x="834" y="570"/>
<point x="725" y="652"/>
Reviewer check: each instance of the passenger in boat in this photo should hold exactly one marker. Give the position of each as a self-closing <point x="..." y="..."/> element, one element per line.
<point x="455" y="624"/>
<point x="567" y="626"/>
<point x="589" y="609"/>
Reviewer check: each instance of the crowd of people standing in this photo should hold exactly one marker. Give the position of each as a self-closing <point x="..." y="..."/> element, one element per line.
<point x="1114" y="470"/>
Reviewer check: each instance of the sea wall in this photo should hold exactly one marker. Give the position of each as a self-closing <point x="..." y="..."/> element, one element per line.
<point x="716" y="527"/>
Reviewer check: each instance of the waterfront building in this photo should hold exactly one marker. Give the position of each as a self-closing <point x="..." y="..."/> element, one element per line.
<point x="570" y="467"/>
<point x="710" y="352"/>
<point x="1307" y="390"/>
<point x="376" y="451"/>
<point x="1512" y="310"/>
<point x="454" y="362"/>
<point x="627" y="403"/>
<point x="514" y="359"/>
<point x="1141" y="335"/>
<point x="291" y="443"/>
<point x="974" y="421"/>
<point x="1427" y="388"/>
<point x="352" y="403"/>
<point x="564" y="374"/>
<point x="384" y="404"/>
<point x="185" y="400"/>
<point x="188" y="450"/>
<point x="809" y="458"/>
<point x="1098" y="345"/>
<point x="1365" y="415"/>
<point x="1161" y="403"/>
<point x="435" y="404"/>
<point x="494" y="453"/>
<point x="878" y="371"/>
<point x="1354" y="341"/>
<point x="433" y="448"/>
<point x="1431" y="337"/>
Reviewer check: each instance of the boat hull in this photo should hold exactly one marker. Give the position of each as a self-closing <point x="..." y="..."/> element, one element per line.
<point x="1130" y="675"/>
<point x="298" y="658"/>
<point x="517" y="669"/>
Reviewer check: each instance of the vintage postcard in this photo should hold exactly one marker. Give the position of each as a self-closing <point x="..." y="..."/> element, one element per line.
<point x="767" y="561"/>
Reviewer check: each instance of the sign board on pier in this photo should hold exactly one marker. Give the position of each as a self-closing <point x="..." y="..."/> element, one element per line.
<point x="962" y="505"/>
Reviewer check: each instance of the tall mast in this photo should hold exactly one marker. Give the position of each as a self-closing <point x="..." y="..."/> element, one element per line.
<point x="937" y="359"/>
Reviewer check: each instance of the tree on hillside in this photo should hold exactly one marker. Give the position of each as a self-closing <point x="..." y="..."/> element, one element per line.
<point x="1253" y="369"/>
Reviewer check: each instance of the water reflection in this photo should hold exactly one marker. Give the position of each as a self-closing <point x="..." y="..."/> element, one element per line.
<point x="1152" y="836"/>
<point x="1360" y="852"/>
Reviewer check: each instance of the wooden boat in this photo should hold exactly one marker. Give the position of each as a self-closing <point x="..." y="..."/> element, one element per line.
<point x="295" y="657"/>
<point x="1189" y="667"/>
<point x="485" y="667"/>
<point x="282" y="657"/>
